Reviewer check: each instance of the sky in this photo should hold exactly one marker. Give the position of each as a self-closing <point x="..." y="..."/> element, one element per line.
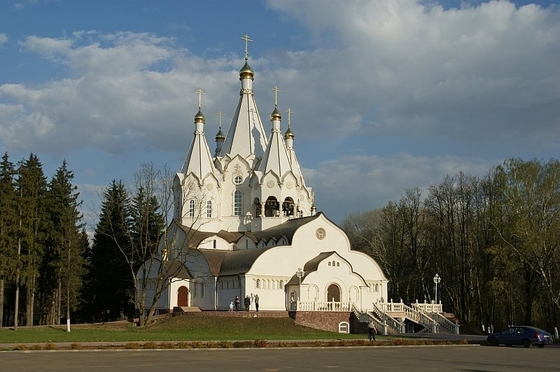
<point x="385" y="95"/>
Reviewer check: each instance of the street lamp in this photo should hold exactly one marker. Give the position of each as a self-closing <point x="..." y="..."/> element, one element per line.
<point x="437" y="279"/>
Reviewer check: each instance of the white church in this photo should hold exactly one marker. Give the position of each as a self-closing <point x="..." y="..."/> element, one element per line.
<point x="245" y="224"/>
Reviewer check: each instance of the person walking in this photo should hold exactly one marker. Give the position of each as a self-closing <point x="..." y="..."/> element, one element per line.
<point x="257" y="302"/>
<point x="372" y="331"/>
<point x="231" y="306"/>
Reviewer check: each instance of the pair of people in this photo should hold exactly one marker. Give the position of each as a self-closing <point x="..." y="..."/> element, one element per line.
<point x="236" y="303"/>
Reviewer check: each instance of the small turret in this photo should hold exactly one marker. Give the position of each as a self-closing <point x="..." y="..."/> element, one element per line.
<point x="220" y="137"/>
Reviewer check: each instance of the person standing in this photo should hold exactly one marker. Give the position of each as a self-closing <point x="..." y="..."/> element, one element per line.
<point x="247" y="302"/>
<point x="236" y="303"/>
<point x="231" y="306"/>
<point x="257" y="302"/>
<point x="372" y="331"/>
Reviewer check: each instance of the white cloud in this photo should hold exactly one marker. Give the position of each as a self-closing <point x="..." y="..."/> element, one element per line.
<point x="489" y="70"/>
<point x="3" y="39"/>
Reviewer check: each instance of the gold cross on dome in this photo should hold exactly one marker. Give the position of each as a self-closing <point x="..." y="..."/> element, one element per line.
<point x="200" y="93"/>
<point x="247" y="40"/>
<point x="276" y="91"/>
<point x="289" y="111"/>
<point x="220" y="115"/>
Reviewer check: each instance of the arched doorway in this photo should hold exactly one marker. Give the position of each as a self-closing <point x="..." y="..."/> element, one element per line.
<point x="333" y="293"/>
<point x="183" y="296"/>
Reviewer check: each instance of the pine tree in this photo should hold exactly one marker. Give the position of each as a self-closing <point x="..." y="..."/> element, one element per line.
<point x="8" y="220"/>
<point x="31" y="188"/>
<point x="111" y="287"/>
<point x="63" y="260"/>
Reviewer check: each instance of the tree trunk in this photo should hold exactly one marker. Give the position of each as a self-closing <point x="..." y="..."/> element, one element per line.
<point x="1" y="302"/>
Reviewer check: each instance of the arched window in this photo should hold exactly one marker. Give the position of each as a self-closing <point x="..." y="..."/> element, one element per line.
<point x="209" y="209"/>
<point x="257" y="207"/>
<point x="191" y="208"/>
<point x="271" y="207"/>
<point x="288" y="207"/>
<point x="238" y="203"/>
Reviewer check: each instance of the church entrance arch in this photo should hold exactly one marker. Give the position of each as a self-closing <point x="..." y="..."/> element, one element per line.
<point x="333" y="293"/>
<point x="183" y="296"/>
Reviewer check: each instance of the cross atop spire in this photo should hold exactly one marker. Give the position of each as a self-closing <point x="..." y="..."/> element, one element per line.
<point x="247" y="40"/>
<point x="220" y="115"/>
<point x="200" y="93"/>
<point x="289" y="111"/>
<point x="276" y="91"/>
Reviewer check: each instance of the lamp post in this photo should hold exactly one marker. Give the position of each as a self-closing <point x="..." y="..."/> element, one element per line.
<point x="437" y="279"/>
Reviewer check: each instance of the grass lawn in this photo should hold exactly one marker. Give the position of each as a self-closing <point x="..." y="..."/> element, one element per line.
<point x="183" y="328"/>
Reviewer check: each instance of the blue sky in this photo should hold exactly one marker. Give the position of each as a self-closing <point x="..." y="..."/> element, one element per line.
<point x="386" y="95"/>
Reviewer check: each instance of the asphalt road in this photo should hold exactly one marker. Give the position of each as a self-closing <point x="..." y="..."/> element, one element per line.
<point x="468" y="358"/>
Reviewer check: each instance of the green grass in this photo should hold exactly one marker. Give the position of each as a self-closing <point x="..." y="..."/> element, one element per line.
<point x="183" y="328"/>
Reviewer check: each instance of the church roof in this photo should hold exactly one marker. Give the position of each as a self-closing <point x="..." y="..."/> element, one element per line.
<point x="286" y="229"/>
<point x="199" y="159"/>
<point x="276" y="158"/>
<point x="225" y="262"/>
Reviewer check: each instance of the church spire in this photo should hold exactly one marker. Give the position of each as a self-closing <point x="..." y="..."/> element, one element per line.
<point x="198" y="160"/>
<point x="246" y="136"/>
<point x="276" y="157"/>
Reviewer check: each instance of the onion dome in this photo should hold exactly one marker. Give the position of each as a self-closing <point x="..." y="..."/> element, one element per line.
<point x="220" y="137"/>
<point x="289" y="134"/>
<point x="275" y="114"/>
<point x="199" y="117"/>
<point x="246" y="71"/>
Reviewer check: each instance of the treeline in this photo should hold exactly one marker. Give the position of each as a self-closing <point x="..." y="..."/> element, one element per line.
<point x="42" y="244"/>
<point x="493" y="240"/>
<point x="49" y="270"/>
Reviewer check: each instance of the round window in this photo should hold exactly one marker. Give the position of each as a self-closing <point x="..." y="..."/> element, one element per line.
<point x="237" y="180"/>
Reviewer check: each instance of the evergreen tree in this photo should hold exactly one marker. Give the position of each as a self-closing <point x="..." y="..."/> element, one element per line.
<point x="8" y="221"/>
<point x="31" y="188"/>
<point x="63" y="260"/>
<point x="111" y="288"/>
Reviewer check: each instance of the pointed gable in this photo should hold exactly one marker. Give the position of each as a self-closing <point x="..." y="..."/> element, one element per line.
<point x="198" y="160"/>
<point x="276" y="158"/>
<point x="246" y="134"/>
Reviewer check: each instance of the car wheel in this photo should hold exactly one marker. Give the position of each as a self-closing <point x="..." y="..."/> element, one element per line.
<point x="526" y="343"/>
<point x="541" y="346"/>
<point x="493" y="341"/>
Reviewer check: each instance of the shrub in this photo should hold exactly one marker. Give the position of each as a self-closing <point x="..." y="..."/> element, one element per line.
<point x="260" y="343"/>
<point x="76" y="346"/>
<point x="50" y="346"/>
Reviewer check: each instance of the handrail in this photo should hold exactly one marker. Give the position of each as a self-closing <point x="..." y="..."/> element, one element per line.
<point x="388" y="320"/>
<point x="435" y="311"/>
<point x="411" y="313"/>
<point x="446" y="323"/>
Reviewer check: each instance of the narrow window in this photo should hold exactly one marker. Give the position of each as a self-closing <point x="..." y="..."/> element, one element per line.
<point x="191" y="208"/>
<point x="238" y="203"/>
<point x="209" y="209"/>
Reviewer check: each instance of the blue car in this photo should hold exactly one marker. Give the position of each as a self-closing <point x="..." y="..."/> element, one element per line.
<point x="520" y="335"/>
